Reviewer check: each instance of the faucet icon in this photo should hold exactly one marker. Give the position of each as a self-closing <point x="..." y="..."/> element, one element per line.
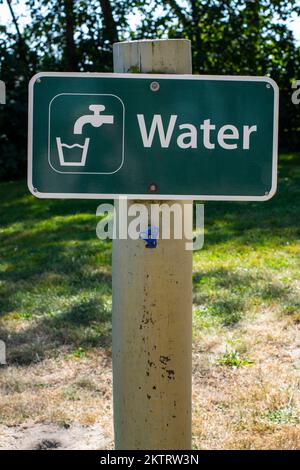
<point x="96" y="120"/>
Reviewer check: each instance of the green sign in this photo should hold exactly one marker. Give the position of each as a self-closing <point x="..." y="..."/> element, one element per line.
<point x="152" y="136"/>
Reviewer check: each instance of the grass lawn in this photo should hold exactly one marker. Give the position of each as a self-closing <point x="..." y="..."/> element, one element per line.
<point x="55" y="317"/>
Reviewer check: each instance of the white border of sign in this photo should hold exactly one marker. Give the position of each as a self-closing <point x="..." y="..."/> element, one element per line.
<point x="154" y="196"/>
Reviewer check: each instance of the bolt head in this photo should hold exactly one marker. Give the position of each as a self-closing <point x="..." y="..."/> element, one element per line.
<point x="152" y="188"/>
<point x="154" y="86"/>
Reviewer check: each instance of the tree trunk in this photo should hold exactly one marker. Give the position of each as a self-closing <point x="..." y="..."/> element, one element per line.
<point x="70" y="52"/>
<point x="110" y="32"/>
<point x="21" y="42"/>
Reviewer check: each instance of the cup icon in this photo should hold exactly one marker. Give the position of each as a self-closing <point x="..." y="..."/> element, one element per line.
<point x="86" y="134"/>
<point x="69" y="155"/>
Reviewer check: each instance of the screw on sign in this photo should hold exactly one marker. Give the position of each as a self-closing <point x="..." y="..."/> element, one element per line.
<point x="154" y="86"/>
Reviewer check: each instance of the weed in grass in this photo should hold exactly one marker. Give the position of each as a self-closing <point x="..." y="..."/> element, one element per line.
<point x="232" y="358"/>
<point x="78" y="353"/>
<point x="285" y="415"/>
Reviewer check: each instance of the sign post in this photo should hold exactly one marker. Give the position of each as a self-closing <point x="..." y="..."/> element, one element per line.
<point x="152" y="307"/>
<point x="151" y="131"/>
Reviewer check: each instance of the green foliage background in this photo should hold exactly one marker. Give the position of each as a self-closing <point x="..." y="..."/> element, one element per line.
<point x="238" y="37"/>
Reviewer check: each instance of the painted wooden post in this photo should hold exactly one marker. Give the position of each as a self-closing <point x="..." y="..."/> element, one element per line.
<point x="152" y="306"/>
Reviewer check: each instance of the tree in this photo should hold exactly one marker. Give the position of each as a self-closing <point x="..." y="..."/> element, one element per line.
<point x="240" y="37"/>
<point x="237" y="37"/>
<point x="68" y="35"/>
<point x="77" y="34"/>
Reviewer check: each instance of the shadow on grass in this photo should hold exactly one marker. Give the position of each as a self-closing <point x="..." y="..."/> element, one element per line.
<point x="84" y="326"/>
<point x="225" y="294"/>
<point x="55" y="277"/>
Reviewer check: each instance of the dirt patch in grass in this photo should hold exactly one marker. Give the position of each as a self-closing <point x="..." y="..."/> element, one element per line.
<point x="51" y="437"/>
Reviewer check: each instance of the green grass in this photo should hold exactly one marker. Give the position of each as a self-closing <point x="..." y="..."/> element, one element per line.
<point x="250" y="258"/>
<point x="55" y="275"/>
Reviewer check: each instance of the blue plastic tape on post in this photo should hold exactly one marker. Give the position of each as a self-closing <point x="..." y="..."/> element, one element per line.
<point x="150" y="237"/>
